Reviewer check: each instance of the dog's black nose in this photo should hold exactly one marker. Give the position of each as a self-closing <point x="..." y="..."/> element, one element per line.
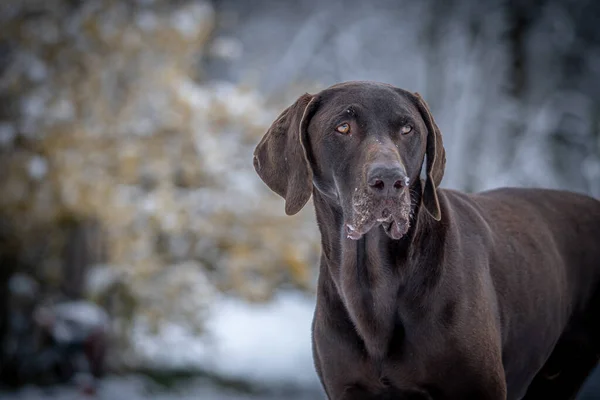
<point x="386" y="179"/>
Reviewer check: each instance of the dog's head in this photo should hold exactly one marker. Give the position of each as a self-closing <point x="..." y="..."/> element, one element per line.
<point x="360" y="144"/>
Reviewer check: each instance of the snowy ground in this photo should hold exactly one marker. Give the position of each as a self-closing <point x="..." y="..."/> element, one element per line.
<point x="265" y="344"/>
<point x="258" y="352"/>
<point x="137" y="388"/>
<point x="250" y="351"/>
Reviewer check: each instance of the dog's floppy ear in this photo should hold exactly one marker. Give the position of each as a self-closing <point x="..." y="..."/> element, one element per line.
<point x="436" y="160"/>
<point x="280" y="158"/>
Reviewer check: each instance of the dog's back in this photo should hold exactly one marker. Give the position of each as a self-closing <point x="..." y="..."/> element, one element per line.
<point x="560" y="295"/>
<point x="557" y="221"/>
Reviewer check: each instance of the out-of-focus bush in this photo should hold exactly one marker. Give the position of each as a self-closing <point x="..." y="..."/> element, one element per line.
<point x="127" y="130"/>
<point x="104" y="118"/>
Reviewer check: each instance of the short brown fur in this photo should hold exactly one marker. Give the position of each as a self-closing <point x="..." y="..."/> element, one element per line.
<point x="494" y="295"/>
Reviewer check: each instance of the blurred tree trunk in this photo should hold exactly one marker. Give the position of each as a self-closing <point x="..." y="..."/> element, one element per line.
<point x="85" y="247"/>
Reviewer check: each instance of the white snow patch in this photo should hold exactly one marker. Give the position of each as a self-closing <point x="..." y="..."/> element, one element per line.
<point x="189" y="20"/>
<point x="264" y="343"/>
<point x="37" y="167"/>
<point x="227" y="48"/>
<point x="101" y="277"/>
<point x="132" y="387"/>
<point x="147" y="21"/>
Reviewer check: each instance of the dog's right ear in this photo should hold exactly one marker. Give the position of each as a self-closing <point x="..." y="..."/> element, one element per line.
<point x="280" y="158"/>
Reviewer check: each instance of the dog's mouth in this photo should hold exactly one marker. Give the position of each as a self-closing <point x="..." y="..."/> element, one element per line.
<point x="392" y="214"/>
<point x="394" y="228"/>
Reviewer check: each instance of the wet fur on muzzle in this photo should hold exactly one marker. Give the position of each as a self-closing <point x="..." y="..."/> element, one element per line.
<point x="394" y="213"/>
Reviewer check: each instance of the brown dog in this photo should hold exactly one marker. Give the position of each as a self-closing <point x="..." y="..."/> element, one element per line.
<point x="427" y="293"/>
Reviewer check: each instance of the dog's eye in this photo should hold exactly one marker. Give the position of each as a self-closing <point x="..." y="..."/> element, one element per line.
<point x="406" y="129"/>
<point x="343" y="128"/>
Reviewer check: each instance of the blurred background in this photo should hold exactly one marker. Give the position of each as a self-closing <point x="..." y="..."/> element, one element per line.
<point x="140" y="255"/>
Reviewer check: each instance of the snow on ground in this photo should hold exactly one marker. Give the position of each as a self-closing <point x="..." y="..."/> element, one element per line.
<point x="138" y="388"/>
<point x="266" y="344"/>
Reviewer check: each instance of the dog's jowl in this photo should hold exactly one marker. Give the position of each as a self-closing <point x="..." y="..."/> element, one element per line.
<point x="429" y="293"/>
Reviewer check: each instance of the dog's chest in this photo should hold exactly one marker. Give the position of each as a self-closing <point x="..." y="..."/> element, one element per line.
<point x="371" y="301"/>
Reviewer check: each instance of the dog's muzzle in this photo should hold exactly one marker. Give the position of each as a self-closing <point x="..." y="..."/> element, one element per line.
<point x="383" y="200"/>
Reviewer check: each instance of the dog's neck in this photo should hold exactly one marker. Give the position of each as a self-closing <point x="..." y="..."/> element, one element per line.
<point x="371" y="275"/>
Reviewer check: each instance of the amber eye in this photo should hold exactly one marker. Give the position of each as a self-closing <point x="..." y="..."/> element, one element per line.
<point x="343" y="128"/>
<point x="406" y="129"/>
